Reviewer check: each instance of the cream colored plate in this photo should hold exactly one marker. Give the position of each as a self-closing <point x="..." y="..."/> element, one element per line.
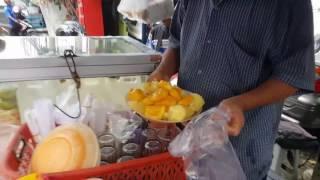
<point x="167" y="121"/>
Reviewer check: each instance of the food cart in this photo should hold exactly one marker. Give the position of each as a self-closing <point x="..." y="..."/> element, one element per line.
<point x="107" y="67"/>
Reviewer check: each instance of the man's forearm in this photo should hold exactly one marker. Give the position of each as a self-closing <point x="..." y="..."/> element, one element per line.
<point x="271" y="91"/>
<point x="170" y="62"/>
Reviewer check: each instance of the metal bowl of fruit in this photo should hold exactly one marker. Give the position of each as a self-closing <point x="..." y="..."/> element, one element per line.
<point x="159" y="101"/>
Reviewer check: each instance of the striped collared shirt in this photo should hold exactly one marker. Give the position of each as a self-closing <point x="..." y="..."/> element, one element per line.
<point x="228" y="47"/>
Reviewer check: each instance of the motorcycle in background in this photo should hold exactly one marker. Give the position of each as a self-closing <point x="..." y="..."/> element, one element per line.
<point x="20" y="16"/>
<point x="26" y="28"/>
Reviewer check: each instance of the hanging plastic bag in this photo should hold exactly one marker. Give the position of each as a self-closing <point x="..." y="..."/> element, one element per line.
<point x="40" y="118"/>
<point x="206" y="150"/>
<point x="122" y="124"/>
<point x="146" y="11"/>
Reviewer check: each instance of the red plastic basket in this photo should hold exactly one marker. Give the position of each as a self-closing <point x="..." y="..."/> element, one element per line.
<point x="158" y="167"/>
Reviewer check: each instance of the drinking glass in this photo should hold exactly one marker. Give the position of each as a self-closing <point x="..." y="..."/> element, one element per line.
<point x="152" y="147"/>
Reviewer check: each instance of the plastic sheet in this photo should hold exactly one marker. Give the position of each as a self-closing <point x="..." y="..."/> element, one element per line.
<point x="123" y="123"/>
<point x="206" y="150"/>
<point x="43" y="116"/>
<point x="146" y="11"/>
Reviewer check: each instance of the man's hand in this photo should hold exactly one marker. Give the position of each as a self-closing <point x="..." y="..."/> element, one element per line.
<point x="260" y="96"/>
<point x="168" y="66"/>
<point x="236" y="114"/>
<point x="158" y="76"/>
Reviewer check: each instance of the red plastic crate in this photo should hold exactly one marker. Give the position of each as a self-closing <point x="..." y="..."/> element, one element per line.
<point x="158" y="167"/>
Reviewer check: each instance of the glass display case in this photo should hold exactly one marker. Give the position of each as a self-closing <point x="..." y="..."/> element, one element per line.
<point x="34" y="68"/>
<point x="42" y="58"/>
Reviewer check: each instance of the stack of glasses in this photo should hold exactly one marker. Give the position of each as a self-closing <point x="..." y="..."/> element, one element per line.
<point x="141" y="143"/>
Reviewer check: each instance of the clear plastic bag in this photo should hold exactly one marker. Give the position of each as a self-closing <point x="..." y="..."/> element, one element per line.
<point x="146" y="11"/>
<point x="122" y="124"/>
<point x="206" y="150"/>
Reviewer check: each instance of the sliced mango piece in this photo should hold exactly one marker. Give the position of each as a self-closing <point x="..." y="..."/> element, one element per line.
<point x="176" y="93"/>
<point x="167" y="101"/>
<point x="155" y="112"/>
<point x="165" y="85"/>
<point x="159" y="95"/>
<point x="147" y="101"/>
<point x="165" y="116"/>
<point x="186" y="101"/>
<point x="150" y="87"/>
<point x="177" y="113"/>
<point x="135" y="95"/>
<point x="32" y="176"/>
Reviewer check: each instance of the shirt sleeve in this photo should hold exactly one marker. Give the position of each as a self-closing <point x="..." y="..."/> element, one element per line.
<point x="176" y="24"/>
<point x="7" y="12"/>
<point x="295" y="63"/>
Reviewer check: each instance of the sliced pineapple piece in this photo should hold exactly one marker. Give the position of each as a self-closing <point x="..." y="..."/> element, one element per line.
<point x="135" y="95"/>
<point x="197" y="102"/>
<point x="177" y="113"/>
<point x="155" y="112"/>
<point x="190" y="112"/>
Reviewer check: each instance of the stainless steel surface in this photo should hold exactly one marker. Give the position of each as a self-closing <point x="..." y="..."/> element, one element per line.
<point x="285" y="117"/>
<point x="39" y="58"/>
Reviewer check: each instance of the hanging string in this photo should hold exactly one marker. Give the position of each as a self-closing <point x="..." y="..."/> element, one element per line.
<point x="76" y="78"/>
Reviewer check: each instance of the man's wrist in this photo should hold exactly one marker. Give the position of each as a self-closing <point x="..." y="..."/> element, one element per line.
<point x="239" y="101"/>
<point x="164" y="71"/>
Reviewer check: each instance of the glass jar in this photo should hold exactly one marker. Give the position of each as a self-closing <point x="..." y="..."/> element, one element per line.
<point x="147" y="134"/>
<point x="125" y="158"/>
<point x="131" y="149"/>
<point x="106" y="140"/>
<point x="108" y="154"/>
<point x="165" y="136"/>
<point x="102" y="163"/>
<point x="152" y="147"/>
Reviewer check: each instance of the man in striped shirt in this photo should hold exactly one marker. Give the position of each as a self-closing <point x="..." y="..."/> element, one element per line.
<point x="245" y="57"/>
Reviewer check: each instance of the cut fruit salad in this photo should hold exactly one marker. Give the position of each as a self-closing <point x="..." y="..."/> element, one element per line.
<point x="160" y="101"/>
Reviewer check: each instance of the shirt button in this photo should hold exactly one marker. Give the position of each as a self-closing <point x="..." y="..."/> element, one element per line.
<point x="209" y="41"/>
<point x="199" y="72"/>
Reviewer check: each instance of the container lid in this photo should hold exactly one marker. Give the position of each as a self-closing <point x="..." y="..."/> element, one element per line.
<point x="68" y="147"/>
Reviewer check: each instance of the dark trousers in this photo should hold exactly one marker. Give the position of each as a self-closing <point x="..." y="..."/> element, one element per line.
<point x="15" y="30"/>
